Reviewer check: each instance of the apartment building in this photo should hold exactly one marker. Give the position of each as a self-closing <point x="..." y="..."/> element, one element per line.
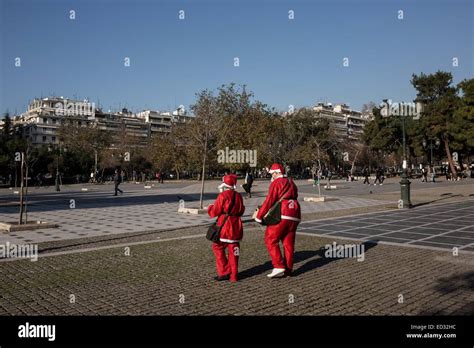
<point x="45" y="115"/>
<point x="346" y="122"/>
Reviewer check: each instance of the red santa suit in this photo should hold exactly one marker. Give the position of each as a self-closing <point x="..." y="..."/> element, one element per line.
<point x="285" y="230"/>
<point x="232" y="230"/>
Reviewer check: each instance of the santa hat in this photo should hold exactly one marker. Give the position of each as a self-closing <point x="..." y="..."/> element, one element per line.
<point x="277" y="168"/>
<point x="229" y="181"/>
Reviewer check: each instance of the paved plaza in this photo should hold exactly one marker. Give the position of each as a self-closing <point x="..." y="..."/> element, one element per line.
<point x="445" y="226"/>
<point x="98" y="213"/>
<point x="134" y="254"/>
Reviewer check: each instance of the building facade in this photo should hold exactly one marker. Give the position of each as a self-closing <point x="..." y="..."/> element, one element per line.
<point x="44" y="117"/>
<point x="345" y="121"/>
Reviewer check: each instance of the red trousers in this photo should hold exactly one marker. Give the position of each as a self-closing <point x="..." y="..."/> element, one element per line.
<point x="285" y="232"/>
<point x="227" y="266"/>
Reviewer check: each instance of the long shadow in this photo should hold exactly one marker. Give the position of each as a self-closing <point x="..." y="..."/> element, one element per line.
<point x="435" y="200"/>
<point x="106" y="201"/>
<point x="88" y="241"/>
<point x="298" y="257"/>
<point x="463" y="282"/>
<point x="323" y="260"/>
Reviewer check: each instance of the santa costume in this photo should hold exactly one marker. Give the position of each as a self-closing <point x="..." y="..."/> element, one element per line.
<point x="232" y="230"/>
<point x="285" y="230"/>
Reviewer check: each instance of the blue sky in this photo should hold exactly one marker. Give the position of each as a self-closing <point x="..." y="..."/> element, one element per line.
<point x="297" y="62"/>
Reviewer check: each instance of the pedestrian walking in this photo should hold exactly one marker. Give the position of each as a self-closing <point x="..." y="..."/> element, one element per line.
<point x="282" y="193"/>
<point x="117" y="182"/>
<point x="366" y="175"/>
<point x="424" y="174"/>
<point x="228" y="208"/>
<point x="248" y="182"/>
<point x="378" y="176"/>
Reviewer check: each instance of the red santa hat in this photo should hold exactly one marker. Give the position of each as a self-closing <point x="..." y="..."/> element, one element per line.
<point x="277" y="168"/>
<point x="229" y="181"/>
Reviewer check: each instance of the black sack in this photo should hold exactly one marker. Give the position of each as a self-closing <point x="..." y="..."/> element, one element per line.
<point x="214" y="231"/>
<point x="273" y="216"/>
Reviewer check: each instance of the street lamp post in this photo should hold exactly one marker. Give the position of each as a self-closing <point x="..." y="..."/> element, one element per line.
<point x="405" y="201"/>
<point x="404" y="182"/>
<point x="58" y="153"/>
<point x="431" y="146"/>
<point x="57" y="173"/>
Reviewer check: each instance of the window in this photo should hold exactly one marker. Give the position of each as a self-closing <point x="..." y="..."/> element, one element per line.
<point x="45" y="120"/>
<point x="44" y="138"/>
<point x="54" y="121"/>
<point x="53" y="139"/>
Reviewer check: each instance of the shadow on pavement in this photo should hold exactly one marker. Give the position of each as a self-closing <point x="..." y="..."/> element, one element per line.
<point x="322" y="260"/>
<point x="300" y="256"/>
<point x="436" y="200"/>
<point x="463" y="282"/>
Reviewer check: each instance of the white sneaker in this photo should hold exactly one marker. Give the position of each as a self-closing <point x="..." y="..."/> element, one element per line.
<point x="276" y="273"/>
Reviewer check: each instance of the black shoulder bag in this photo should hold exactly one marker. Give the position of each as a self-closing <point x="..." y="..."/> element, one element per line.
<point x="214" y="231"/>
<point x="273" y="217"/>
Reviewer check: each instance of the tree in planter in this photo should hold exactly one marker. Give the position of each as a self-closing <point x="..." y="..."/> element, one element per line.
<point x="204" y="130"/>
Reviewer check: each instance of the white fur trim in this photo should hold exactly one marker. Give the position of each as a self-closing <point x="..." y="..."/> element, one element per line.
<point x="285" y="217"/>
<point x="224" y="185"/>
<point x="258" y="220"/>
<point x="229" y="240"/>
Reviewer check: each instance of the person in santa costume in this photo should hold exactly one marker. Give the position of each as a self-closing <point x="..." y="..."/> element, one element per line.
<point x="285" y="230"/>
<point x="232" y="230"/>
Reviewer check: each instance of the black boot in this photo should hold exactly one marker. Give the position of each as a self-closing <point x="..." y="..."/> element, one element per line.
<point x="221" y="278"/>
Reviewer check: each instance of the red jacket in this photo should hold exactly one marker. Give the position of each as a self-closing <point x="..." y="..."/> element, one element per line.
<point x="232" y="231"/>
<point x="290" y="208"/>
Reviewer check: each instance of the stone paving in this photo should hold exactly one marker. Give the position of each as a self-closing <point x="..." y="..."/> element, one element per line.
<point x="174" y="277"/>
<point x="98" y="213"/>
<point x="445" y="226"/>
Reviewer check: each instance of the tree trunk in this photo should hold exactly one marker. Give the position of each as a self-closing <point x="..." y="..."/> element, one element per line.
<point x="26" y="193"/>
<point x="21" y="189"/>
<point x="354" y="161"/>
<point x="203" y="176"/>
<point x="202" y="180"/>
<point x="450" y="158"/>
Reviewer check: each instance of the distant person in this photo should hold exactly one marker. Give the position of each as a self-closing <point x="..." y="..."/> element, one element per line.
<point x="162" y="177"/>
<point x="228" y="208"/>
<point x="378" y="176"/>
<point x="117" y="182"/>
<point x="247" y="186"/>
<point x="329" y="176"/>
<point x="433" y="174"/>
<point x="424" y="175"/>
<point x="366" y="175"/>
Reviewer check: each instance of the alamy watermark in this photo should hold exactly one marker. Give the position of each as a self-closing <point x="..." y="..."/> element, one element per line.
<point x="343" y="251"/>
<point x="67" y="108"/>
<point x="19" y="251"/>
<point x="227" y="156"/>
<point x="389" y="108"/>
